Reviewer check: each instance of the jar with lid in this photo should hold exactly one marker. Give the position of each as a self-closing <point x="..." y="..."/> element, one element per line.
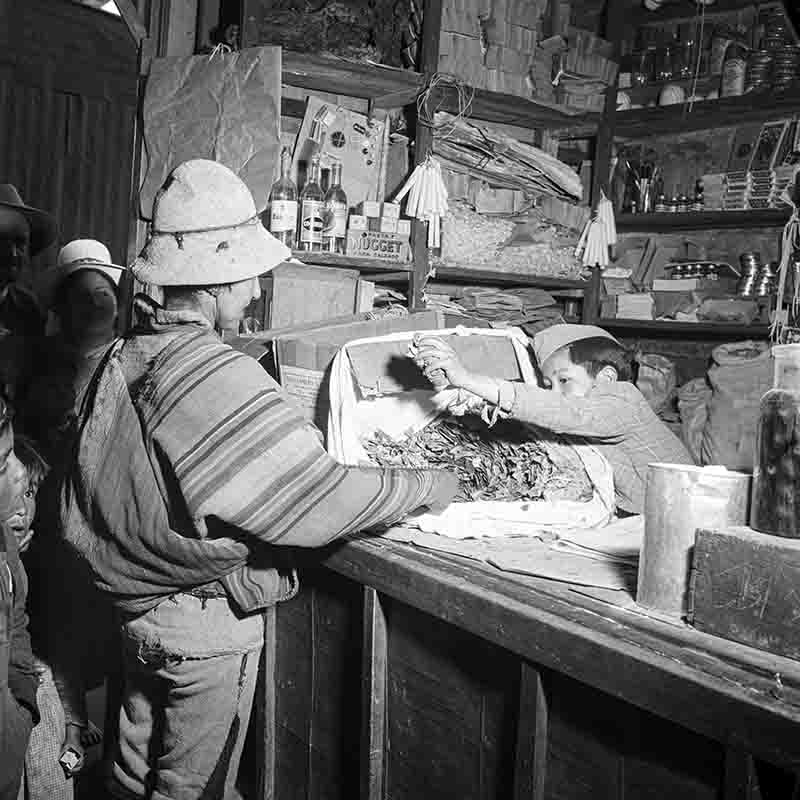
<point x="775" y="506"/>
<point x="722" y="37"/>
<point x="734" y="70"/>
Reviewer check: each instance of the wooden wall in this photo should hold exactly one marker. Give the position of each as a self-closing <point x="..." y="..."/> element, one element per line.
<point x="68" y="83"/>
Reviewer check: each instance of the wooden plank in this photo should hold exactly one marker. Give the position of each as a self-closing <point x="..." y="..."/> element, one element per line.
<point x="373" y="697"/>
<point x="469" y="275"/>
<point x="531" y="750"/>
<point x="744" y="588"/>
<point x="132" y="19"/>
<point x="351" y="262"/>
<point x="697" y="681"/>
<point x="659" y="221"/>
<point x="266" y="708"/>
<point x="737" y="780"/>
<point x="726" y="111"/>
<point x="685" y="330"/>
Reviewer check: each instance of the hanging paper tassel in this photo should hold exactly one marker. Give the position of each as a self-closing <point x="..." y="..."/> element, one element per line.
<point x="599" y="234"/>
<point x="427" y="198"/>
<point x="790" y="242"/>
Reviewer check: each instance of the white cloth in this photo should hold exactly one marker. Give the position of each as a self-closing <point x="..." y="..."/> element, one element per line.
<point x="354" y="417"/>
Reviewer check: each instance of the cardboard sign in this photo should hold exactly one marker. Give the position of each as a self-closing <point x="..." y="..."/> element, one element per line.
<point x="373" y="244"/>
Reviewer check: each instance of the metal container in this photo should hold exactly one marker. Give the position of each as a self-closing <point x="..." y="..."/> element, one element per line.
<point x="679" y="499"/>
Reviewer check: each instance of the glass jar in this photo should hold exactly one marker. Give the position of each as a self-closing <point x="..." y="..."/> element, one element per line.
<point x="642" y="67"/>
<point x="733" y="70"/>
<point x="775" y="507"/>
<point x="723" y="35"/>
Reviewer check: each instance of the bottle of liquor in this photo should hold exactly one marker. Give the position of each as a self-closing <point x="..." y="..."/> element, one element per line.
<point x="311" y="206"/>
<point x="283" y="204"/>
<point x="335" y="213"/>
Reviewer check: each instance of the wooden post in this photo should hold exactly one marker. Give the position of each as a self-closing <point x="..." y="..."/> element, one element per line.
<point x="265" y="707"/>
<point x="531" y="758"/>
<point x="423" y="144"/>
<point x="373" y="697"/>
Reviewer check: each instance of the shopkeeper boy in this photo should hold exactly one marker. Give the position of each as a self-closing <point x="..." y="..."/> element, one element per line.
<point x="590" y="395"/>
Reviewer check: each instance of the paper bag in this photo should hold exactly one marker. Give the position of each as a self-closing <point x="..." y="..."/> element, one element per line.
<point x="224" y="107"/>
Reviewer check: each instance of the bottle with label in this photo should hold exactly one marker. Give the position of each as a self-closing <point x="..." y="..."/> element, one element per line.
<point x="283" y="204"/>
<point x="334" y="232"/>
<point x="733" y="70"/>
<point x="311" y="203"/>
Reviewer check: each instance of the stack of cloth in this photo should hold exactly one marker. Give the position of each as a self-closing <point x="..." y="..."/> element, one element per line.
<point x="713" y="191"/>
<point x="781" y="178"/>
<point x="736" y="194"/>
<point x="635" y="306"/>
<point x="500" y="307"/>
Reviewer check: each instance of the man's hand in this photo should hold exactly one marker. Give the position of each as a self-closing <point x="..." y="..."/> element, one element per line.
<point x="434" y="354"/>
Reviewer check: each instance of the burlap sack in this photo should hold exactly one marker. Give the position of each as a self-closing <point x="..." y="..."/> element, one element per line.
<point x="693" y="400"/>
<point x="741" y="373"/>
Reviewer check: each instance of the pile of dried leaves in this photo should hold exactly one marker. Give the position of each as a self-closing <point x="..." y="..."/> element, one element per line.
<point x="501" y="463"/>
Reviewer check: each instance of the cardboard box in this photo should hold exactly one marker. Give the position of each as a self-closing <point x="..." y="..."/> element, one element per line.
<point x="388" y="225"/>
<point x="744" y="588"/>
<point x="391" y="211"/>
<point x="304" y="355"/>
<point x="294" y="294"/>
<point x="357" y="222"/>
<point x="404" y="228"/>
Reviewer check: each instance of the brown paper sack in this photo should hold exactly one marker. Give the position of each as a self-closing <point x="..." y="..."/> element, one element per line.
<point x="224" y="107"/>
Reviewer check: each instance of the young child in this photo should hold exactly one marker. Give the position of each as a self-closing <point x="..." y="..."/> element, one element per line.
<point x="590" y="395"/>
<point x="56" y="747"/>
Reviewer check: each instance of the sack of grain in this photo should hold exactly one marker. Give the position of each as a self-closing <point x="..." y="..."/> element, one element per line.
<point x="693" y="399"/>
<point x="741" y="373"/>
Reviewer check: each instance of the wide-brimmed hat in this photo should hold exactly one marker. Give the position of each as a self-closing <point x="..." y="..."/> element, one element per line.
<point x="546" y="342"/>
<point x="206" y="230"/>
<point x="74" y="256"/>
<point x="44" y="228"/>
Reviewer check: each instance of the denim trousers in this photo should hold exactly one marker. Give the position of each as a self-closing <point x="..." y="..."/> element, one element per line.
<point x="189" y="675"/>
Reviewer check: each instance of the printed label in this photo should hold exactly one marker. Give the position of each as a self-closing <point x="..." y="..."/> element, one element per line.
<point x="335" y="221"/>
<point x="282" y="216"/>
<point x="311" y="227"/>
<point x="304" y="386"/>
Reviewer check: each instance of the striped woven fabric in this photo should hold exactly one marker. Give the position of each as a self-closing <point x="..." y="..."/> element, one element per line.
<point x="225" y="466"/>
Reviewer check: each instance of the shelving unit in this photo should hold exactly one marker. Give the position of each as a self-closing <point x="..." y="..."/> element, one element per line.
<point x="665" y="222"/>
<point x="685" y="330"/>
<point x="351" y="262"/>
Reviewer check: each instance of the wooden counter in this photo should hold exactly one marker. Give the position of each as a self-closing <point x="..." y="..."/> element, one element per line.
<point x="404" y="673"/>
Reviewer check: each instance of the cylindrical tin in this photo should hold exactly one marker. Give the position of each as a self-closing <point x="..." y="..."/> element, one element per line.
<point x="679" y="499"/>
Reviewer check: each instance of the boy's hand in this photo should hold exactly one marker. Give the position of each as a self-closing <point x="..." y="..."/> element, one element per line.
<point x="434" y="354"/>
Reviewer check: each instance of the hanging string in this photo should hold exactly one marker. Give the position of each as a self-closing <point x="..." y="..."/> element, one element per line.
<point x="701" y="12"/>
<point x="790" y="242"/>
<point x="439" y="85"/>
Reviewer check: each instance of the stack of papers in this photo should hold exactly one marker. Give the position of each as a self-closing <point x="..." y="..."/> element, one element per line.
<point x="736" y="195"/>
<point x="713" y="190"/>
<point x="635" y="306"/>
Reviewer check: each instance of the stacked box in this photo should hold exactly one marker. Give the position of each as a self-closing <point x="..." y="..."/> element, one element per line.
<point x="588" y="56"/>
<point x="491" y="44"/>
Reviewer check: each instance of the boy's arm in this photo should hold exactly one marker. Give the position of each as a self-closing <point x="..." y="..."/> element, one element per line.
<point x="598" y="416"/>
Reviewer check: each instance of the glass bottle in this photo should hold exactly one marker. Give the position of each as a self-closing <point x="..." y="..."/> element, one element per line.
<point x="733" y="70"/>
<point x="775" y="507"/>
<point x="335" y="213"/>
<point x="283" y="204"/>
<point x="311" y="202"/>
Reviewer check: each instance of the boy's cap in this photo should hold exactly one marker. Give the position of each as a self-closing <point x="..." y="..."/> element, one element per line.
<point x="546" y="342"/>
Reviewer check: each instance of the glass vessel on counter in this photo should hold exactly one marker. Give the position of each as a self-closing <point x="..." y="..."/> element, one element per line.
<point x="311" y="202"/>
<point x="734" y="70"/>
<point x="334" y="232"/>
<point x="283" y="203"/>
<point x="775" y="506"/>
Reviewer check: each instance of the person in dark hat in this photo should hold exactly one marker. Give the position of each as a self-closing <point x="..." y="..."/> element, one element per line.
<point x="24" y="232"/>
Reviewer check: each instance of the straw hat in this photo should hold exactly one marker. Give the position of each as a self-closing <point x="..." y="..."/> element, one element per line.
<point x="546" y="342"/>
<point x="77" y="255"/>
<point x="206" y="230"/>
<point x="43" y="225"/>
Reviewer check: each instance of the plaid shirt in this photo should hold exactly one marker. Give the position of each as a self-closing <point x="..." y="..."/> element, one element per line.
<point x="616" y="418"/>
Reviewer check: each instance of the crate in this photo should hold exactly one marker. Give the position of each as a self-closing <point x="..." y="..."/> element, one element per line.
<point x="295" y="293"/>
<point x="304" y="355"/>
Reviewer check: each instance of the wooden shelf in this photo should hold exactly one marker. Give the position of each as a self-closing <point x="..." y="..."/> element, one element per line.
<point x="702" y="330"/>
<point x="350" y="262"/>
<point x="390" y="87"/>
<point x="726" y="111"/>
<point x="507" y="279"/>
<point x="660" y="221"/>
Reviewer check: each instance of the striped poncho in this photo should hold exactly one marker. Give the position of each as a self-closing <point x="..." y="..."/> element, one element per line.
<point x="191" y="465"/>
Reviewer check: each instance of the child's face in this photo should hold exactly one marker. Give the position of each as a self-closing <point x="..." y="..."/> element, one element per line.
<point x="567" y="378"/>
<point x="22" y="516"/>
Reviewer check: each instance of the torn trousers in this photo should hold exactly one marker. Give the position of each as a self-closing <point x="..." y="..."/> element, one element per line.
<point x="189" y="675"/>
